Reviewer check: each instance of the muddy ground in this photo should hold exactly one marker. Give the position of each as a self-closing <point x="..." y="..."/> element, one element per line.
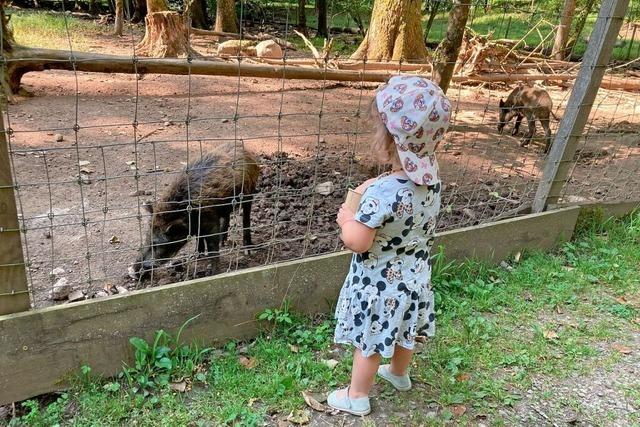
<point x="85" y="162"/>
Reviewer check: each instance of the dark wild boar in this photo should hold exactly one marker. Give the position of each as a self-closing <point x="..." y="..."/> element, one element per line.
<point x="214" y="184"/>
<point x="532" y="103"/>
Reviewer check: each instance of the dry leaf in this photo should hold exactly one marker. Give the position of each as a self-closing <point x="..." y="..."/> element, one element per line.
<point x="463" y="377"/>
<point x="247" y="362"/>
<point x="621" y="348"/>
<point x="622" y="300"/>
<point x="550" y="335"/>
<point x="299" y="417"/>
<point x="179" y="387"/>
<point x="312" y="402"/>
<point x="114" y="239"/>
<point x="294" y="348"/>
<point x="330" y="363"/>
<point x="458" y="410"/>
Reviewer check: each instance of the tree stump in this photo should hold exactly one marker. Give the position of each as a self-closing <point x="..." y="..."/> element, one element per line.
<point x="165" y="36"/>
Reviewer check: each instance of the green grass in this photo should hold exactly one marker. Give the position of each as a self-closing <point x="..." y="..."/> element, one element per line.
<point x="497" y="329"/>
<point x="44" y="30"/>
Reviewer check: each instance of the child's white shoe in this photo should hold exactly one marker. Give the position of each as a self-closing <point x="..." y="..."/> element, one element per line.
<point x="358" y="406"/>
<point x="401" y="383"/>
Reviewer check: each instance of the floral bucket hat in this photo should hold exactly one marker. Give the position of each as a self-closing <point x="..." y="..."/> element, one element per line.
<point x="416" y="113"/>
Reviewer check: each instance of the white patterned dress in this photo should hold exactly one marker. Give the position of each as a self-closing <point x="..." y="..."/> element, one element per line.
<point x="386" y="299"/>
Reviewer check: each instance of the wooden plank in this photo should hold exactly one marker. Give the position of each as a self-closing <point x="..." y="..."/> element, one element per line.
<point x="14" y="292"/>
<point x="40" y="348"/>
<point x="610" y="209"/>
<point x="496" y="241"/>
<point x="561" y="156"/>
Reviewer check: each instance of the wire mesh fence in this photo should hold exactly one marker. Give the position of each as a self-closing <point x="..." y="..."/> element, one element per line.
<point x="89" y="151"/>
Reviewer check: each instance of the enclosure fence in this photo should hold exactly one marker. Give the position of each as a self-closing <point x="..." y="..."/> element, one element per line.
<point x="80" y="159"/>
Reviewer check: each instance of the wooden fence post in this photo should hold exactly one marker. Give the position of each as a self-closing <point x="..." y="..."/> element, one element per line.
<point x="594" y="62"/>
<point x="14" y="291"/>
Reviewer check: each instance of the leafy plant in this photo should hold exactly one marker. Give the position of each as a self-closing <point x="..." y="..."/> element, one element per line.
<point x="156" y="364"/>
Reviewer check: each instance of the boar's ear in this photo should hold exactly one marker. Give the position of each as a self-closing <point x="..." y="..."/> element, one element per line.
<point x="148" y="206"/>
<point x="501" y="102"/>
<point x="175" y="225"/>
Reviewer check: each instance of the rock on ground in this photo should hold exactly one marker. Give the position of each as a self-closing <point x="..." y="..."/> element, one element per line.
<point x="269" y="49"/>
<point x="237" y="47"/>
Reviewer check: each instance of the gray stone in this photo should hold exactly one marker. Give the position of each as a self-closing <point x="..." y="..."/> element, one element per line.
<point x="61" y="290"/>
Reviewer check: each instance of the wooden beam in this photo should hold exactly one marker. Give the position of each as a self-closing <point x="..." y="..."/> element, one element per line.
<point x="26" y="60"/>
<point x="14" y="291"/>
<point x="560" y="158"/>
<point x="42" y="347"/>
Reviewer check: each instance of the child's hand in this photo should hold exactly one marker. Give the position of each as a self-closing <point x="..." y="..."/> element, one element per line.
<point x="344" y="215"/>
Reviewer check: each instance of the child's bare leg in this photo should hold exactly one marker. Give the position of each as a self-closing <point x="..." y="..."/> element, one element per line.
<point x="362" y="374"/>
<point x="400" y="361"/>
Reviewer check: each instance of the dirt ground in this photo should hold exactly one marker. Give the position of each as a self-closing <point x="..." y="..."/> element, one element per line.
<point x="134" y="134"/>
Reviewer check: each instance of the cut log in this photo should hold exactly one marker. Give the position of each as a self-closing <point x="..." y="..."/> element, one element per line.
<point x="165" y="36"/>
<point x="24" y="60"/>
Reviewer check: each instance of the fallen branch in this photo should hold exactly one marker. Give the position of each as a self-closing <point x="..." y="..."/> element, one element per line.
<point x="26" y="60"/>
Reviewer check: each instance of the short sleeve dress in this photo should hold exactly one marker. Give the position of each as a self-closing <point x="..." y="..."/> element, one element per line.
<point x="386" y="299"/>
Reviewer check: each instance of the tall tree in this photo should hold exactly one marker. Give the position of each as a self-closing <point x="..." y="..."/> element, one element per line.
<point x="196" y="10"/>
<point x="323" y="30"/>
<point x="562" y="34"/>
<point x="579" y="21"/>
<point x="226" y="16"/>
<point x="119" y="22"/>
<point x="395" y="32"/>
<point x="432" y="8"/>
<point x="139" y="11"/>
<point x="302" y="17"/>
<point x="446" y="55"/>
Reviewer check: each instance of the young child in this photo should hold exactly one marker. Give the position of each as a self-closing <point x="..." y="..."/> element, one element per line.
<point x="386" y="300"/>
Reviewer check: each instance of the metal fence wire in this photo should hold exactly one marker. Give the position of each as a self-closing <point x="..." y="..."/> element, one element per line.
<point x="89" y="150"/>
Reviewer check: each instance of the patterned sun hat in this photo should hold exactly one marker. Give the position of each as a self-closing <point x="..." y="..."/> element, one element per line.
<point x="416" y="113"/>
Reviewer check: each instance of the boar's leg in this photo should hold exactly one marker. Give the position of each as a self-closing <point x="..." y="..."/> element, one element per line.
<point x="531" y="123"/>
<point x="547" y="133"/>
<point x="213" y="242"/>
<point x="224" y="228"/>
<point x="246" y="222"/>
<point x="516" y="126"/>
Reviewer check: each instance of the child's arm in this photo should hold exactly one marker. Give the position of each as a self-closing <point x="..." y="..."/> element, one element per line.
<point x="355" y="235"/>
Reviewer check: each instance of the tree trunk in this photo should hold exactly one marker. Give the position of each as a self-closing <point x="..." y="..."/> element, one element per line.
<point x="197" y="10"/>
<point x="560" y="44"/>
<point x="433" y="11"/>
<point x="447" y="53"/>
<point x="580" y="21"/>
<point x="395" y="32"/>
<point x="302" y="17"/>
<point x="119" y="22"/>
<point x="226" y="20"/>
<point x="321" y="6"/>
<point x="7" y="49"/>
<point x="139" y="11"/>
<point x="93" y="10"/>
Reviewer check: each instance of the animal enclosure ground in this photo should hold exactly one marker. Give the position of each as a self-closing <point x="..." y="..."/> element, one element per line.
<point x="551" y="339"/>
<point x="305" y="133"/>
